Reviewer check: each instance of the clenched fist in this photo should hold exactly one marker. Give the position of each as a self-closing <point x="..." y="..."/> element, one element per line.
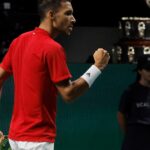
<point x="101" y="58"/>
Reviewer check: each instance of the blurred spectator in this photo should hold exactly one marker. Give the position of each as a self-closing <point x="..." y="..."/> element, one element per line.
<point x="134" y="109"/>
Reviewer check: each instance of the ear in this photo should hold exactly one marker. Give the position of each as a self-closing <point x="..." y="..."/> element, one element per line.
<point x="50" y="14"/>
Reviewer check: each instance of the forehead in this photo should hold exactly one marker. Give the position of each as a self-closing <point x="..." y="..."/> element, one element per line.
<point x="65" y="6"/>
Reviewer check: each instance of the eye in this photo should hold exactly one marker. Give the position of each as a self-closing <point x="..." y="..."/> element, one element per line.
<point x="68" y="13"/>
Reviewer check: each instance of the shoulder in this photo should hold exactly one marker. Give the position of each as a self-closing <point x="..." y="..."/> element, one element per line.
<point x="134" y="86"/>
<point x="131" y="88"/>
<point x="25" y="35"/>
<point x="53" y="47"/>
<point x="22" y="36"/>
<point x="54" y="44"/>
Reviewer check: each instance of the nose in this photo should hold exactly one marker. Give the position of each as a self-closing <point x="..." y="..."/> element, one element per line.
<point x="73" y="20"/>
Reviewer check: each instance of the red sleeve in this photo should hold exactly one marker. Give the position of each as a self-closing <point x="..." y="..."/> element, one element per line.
<point x="6" y="63"/>
<point x="56" y="61"/>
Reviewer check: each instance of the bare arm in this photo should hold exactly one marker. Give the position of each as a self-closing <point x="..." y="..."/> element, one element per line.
<point x="1" y="137"/>
<point x="3" y="76"/>
<point x="70" y="90"/>
<point x="121" y="121"/>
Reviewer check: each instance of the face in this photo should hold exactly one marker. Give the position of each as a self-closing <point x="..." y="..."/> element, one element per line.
<point x="63" y="18"/>
<point x="145" y="75"/>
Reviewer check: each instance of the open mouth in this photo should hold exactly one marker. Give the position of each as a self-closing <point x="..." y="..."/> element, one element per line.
<point x="70" y="27"/>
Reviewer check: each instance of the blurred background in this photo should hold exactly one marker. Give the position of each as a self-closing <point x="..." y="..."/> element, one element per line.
<point x="97" y="24"/>
<point x="120" y="26"/>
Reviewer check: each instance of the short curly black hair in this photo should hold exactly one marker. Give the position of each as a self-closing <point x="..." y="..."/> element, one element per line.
<point x="45" y="5"/>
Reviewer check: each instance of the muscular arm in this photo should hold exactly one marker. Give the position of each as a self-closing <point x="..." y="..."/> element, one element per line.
<point x="70" y="90"/>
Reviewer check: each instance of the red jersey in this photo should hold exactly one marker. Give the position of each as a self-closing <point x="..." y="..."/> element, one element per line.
<point x="36" y="62"/>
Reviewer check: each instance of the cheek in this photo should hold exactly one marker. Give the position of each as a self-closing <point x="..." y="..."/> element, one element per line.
<point x="147" y="75"/>
<point x="59" y="23"/>
<point x="62" y="21"/>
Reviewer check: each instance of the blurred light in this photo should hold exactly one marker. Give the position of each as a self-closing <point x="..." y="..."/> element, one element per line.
<point x="147" y="2"/>
<point x="7" y="5"/>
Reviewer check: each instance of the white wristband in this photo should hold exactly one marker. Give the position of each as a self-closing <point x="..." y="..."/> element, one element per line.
<point x="91" y="75"/>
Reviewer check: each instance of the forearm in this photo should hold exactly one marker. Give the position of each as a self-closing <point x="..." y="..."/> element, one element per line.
<point x="3" y="76"/>
<point x="1" y="82"/>
<point x="121" y="121"/>
<point x="73" y="89"/>
<point x="78" y="87"/>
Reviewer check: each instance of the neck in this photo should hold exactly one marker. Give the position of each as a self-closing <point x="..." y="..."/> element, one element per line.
<point x="45" y="25"/>
<point x="144" y="83"/>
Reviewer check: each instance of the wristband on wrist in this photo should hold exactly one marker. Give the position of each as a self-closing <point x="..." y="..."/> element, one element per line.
<point x="91" y="75"/>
